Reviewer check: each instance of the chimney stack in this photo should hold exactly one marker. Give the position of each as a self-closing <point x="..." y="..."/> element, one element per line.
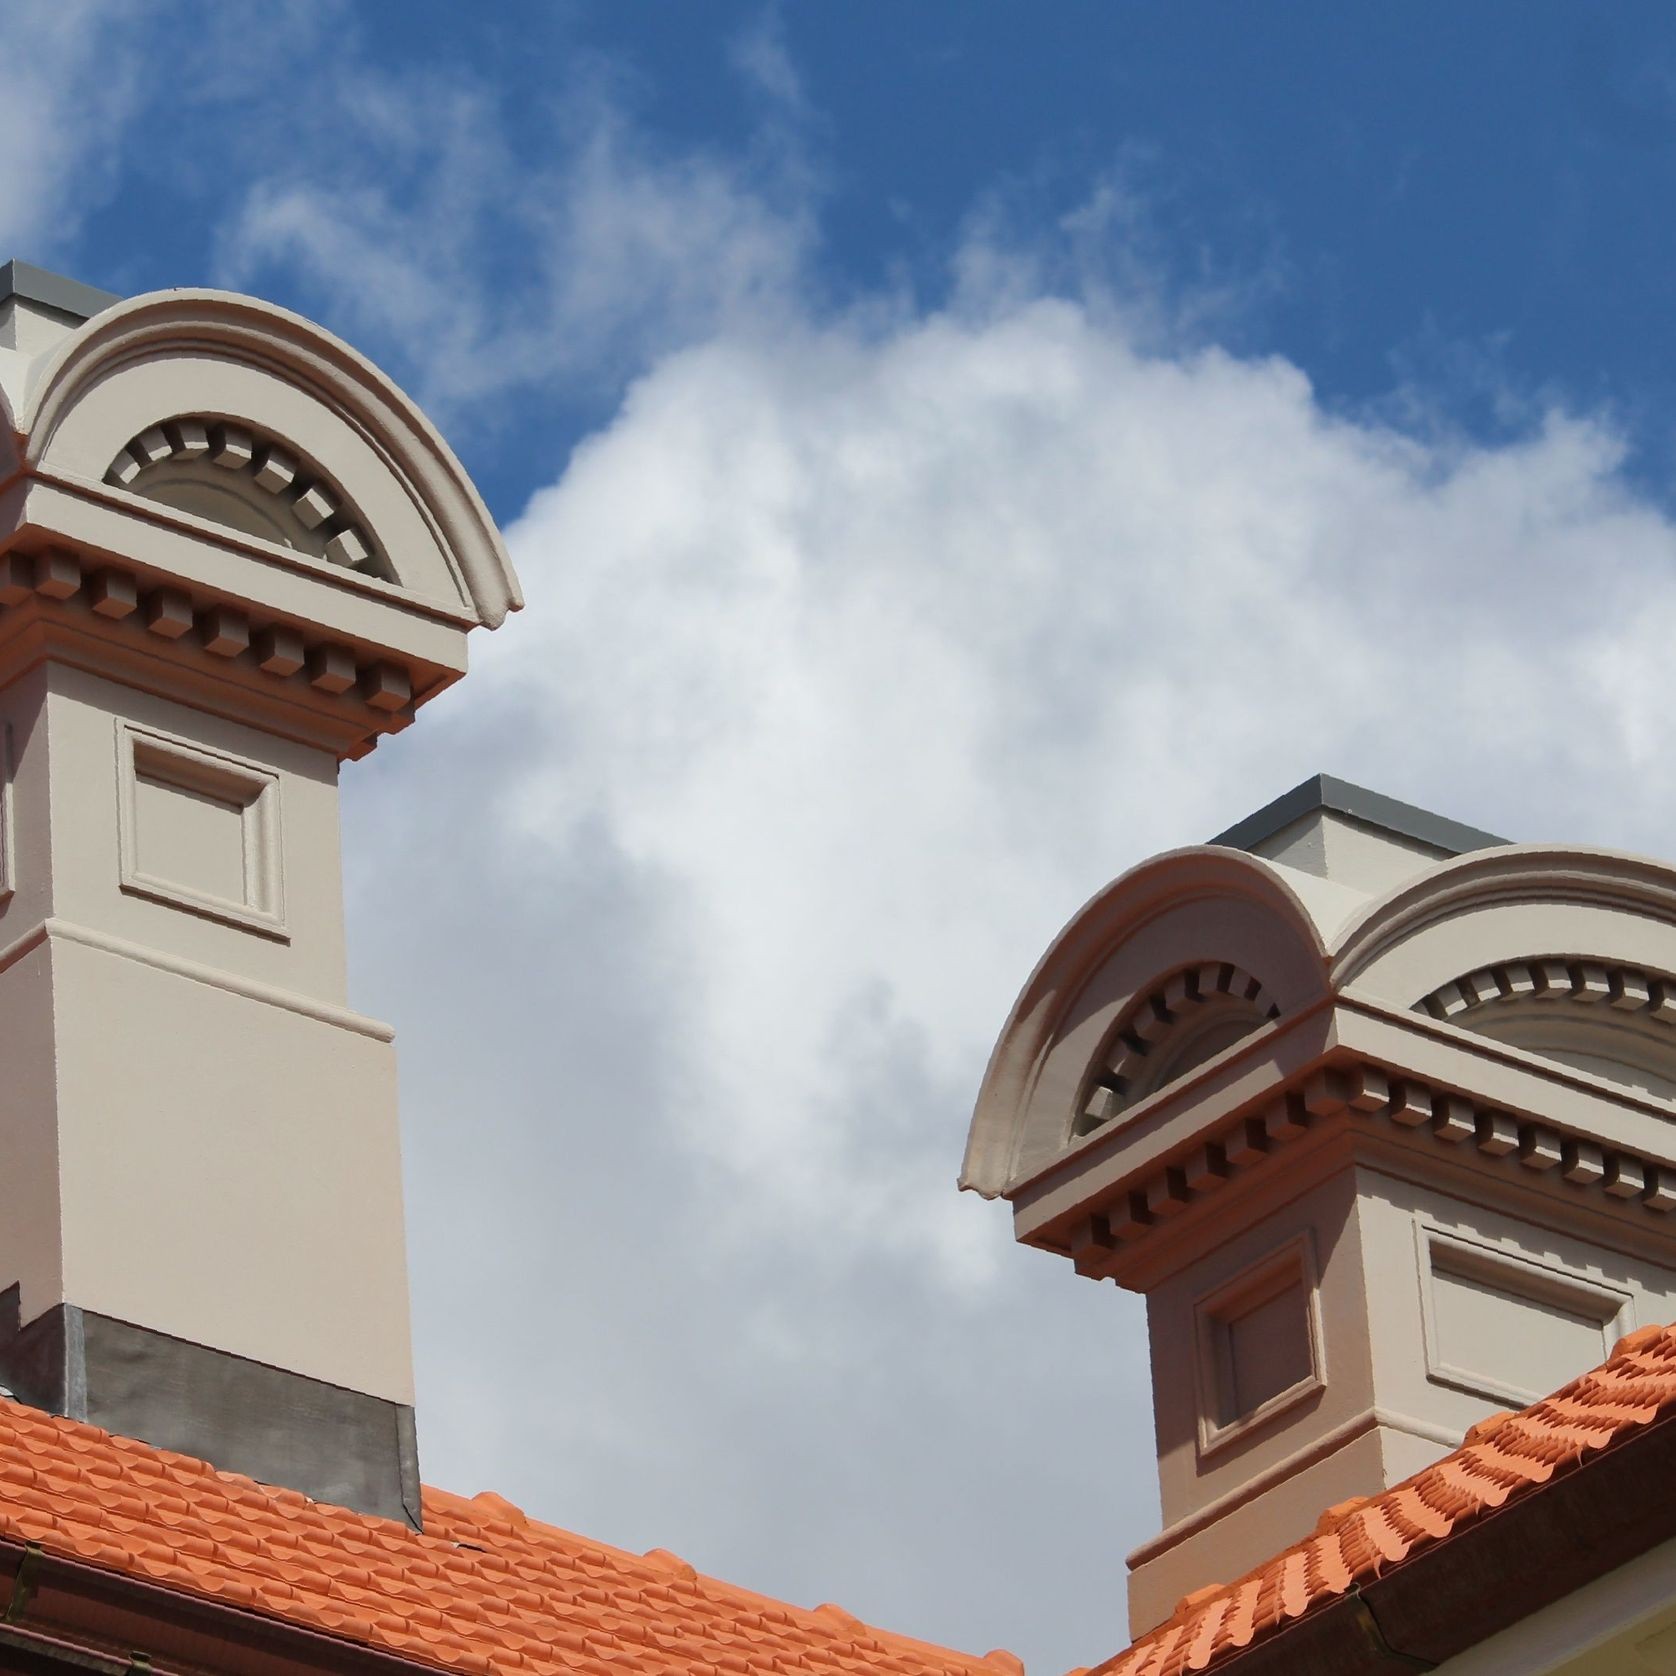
<point x="232" y="556"/>
<point x="1378" y="1112"/>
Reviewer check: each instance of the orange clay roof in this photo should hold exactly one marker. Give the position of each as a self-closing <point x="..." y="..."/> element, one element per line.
<point x="482" y="1589"/>
<point x="1503" y="1458"/>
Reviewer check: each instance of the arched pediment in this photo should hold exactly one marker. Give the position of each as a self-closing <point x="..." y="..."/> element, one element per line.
<point x="1164" y="969"/>
<point x="1509" y="904"/>
<point x="1562" y="953"/>
<point x="134" y="383"/>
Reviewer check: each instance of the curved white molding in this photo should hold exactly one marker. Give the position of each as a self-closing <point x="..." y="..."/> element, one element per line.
<point x="1148" y="1048"/>
<point x="305" y="508"/>
<point x="173" y="334"/>
<point x="11" y="439"/>
<point x="1484" y="908"/>
<point x="1185" y="909"/>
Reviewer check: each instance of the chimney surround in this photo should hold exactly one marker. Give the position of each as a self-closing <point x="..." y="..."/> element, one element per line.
<point x="233" y="556"/>
<point x="1378" y="1113"/>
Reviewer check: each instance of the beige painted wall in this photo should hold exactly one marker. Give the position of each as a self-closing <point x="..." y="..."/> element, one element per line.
<point x="31" y="1219"/>
<point x="201" y="1135"/>
<point x="202" y="1139"/>
<point x="230" y="1171"/>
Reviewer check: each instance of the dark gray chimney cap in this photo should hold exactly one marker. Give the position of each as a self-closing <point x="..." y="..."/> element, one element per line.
<point x="1357" y="803"/>
<point x="54" y="291"/>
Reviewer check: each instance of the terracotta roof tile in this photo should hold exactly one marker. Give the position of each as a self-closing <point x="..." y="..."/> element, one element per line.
<point x="1504" y="1457"/>
<point x="483" y="1587"/>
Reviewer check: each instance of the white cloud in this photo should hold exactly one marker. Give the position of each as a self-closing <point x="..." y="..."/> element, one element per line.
<point x="885" y="651"/>
<point x="858" y="655"/>
<point x="863" y="645"/>
<point x="760" y="55"/>
<point x="423" y="228"/>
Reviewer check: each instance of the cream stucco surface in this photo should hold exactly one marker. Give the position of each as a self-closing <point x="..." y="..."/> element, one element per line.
<point x="202" y="1134"/>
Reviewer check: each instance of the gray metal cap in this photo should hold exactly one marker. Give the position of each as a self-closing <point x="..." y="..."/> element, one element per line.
<point x="1370" y="808"/>
<point x="49" y="290"/>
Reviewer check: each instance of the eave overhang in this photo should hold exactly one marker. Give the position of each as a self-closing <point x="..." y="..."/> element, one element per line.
<point x="58" y="1613"/>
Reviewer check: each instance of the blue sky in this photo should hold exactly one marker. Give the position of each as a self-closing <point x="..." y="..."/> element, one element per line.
<point x="1463" y="198"/>
<point x="951" y="452"/>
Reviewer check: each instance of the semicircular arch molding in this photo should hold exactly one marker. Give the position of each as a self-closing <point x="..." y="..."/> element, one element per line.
<point x="1507" y="905"/>
<point x="220" y="358"/>
<point x="1607" y="1018"/>
<point x="1192" y="920"/>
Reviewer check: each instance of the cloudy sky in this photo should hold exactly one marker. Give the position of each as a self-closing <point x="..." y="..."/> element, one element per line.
<point x="951" y="451"/>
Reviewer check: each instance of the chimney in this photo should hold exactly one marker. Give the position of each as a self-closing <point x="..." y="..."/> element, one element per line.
<point x="1376" y="1111"/>
<point x="232" y="556"/>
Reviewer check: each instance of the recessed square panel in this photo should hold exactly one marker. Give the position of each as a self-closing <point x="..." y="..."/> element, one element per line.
<point x="1507" y="1326"/>
<point x="190" y="838"/>
<point x="200" y="830"/>
<point x="1258" y="1345"/>
<point x="1268" y="1349"/>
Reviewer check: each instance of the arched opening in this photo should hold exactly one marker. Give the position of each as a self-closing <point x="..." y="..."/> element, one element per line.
<point x="1614" y="1022"/>
<point x="1184" y="1023"/>
<point x="231" y="475"/>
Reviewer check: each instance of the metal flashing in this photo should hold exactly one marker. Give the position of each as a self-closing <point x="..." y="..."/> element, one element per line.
<point x="277" y="1427"/>
<point x="55" y="291"/>
<point x="1357" y="803"/>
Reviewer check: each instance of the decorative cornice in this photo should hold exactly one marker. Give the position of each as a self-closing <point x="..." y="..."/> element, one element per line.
<point x="270" y="651"/>
<point x="1159" y="1019"/>
<point x="1622" y="989"/>
<point x="256" y="461"/>
<point x="1368" y="1094"/>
